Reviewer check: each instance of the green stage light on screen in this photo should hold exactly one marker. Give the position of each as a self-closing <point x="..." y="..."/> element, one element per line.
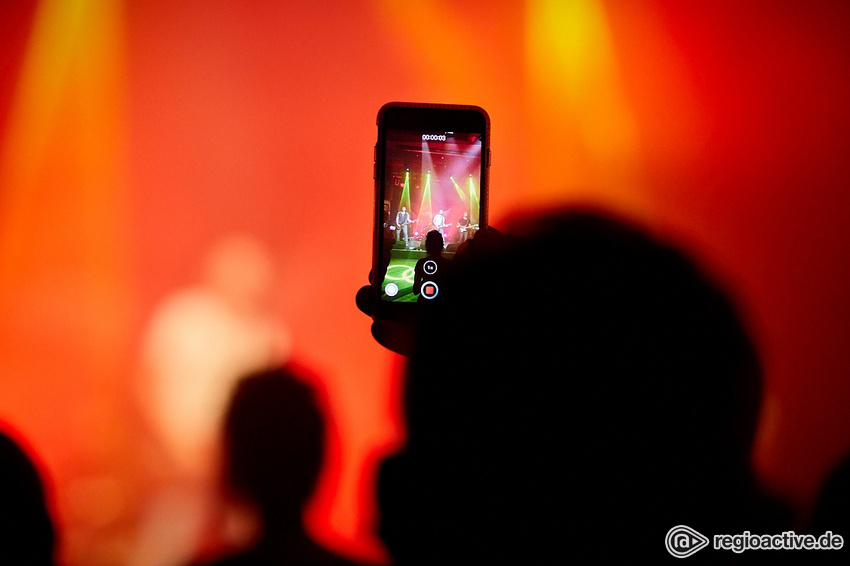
<point x="405" y="191"/>
<point x="460" y="192"/>
<point x="425" y="203"/>
<point x="473" y="201"/>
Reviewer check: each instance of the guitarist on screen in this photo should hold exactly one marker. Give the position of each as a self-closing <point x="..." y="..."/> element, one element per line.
<point x="463" y="228"/>
<point x="440" y="225"/>
<point x="402" y="221"/>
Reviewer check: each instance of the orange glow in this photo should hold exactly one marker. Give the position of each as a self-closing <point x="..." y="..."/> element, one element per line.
<point x="574" y="75"/>
<point x="64" y="279"/>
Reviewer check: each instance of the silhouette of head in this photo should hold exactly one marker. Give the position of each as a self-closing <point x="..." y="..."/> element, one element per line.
<point x="607" y="389"/>
<point x="26" y="531"/>
<point x="274" y="441"/>
<point x="434" y="243"/>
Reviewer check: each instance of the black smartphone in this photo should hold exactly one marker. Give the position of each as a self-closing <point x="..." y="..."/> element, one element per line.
<point x="431" y="173"/>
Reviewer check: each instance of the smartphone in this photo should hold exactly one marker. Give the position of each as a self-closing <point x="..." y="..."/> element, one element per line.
<point x="431" y="173"/>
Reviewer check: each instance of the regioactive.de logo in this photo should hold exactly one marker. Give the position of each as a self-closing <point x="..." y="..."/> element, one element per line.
<point x="682" y="541"/>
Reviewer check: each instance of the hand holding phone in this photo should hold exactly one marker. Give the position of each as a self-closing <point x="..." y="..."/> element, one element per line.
<point x="431" y="188"/>
<point x="398" y="336"/>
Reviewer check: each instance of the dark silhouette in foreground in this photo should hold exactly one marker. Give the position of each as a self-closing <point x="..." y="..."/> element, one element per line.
<point x="27" y="535"/>
<point x="274" y="442"/>
<point x="606" y="393"/>
<point x="831" y="512"/>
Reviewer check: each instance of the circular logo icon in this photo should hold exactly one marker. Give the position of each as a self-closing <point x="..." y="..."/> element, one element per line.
<point x="430" y="267"/>
<point x="391" y="289"/>
<point x="682" y="541"/>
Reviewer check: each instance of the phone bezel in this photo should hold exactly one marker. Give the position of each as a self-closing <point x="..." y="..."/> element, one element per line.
<point x="414" y="116"/>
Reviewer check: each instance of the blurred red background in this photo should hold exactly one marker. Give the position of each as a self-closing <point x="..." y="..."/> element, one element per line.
<point x="136" y="134"/>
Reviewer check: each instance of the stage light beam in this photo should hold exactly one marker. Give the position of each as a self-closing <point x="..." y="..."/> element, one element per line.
<point x="461" y="193"/>
<point x="405" y="191"/>
<point x="425" y="203"/>
<point x="473" y="201"/>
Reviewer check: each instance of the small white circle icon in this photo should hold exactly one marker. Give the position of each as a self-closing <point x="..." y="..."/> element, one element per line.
<point x="391" y="289"/>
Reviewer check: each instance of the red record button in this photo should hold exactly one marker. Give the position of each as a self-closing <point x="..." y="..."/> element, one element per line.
<point x="430" y="290"/>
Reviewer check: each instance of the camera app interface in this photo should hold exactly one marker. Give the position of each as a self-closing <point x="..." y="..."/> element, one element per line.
<point x="431" y="207"/>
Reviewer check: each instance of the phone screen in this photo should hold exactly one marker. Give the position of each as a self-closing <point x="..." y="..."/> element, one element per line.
<point x="431" y="192"/>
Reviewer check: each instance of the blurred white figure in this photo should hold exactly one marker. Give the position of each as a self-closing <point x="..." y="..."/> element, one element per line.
<point x="200" y="341"/>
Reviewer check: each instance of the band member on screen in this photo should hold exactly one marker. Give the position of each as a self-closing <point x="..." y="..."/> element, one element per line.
<point x="440" y="225"/>
<point x="439" y="221"/>
<point x="463" y="228"/>
<point x="402" y="221"/>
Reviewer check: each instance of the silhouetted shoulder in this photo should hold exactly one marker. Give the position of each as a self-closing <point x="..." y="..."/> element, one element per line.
<point x="274" y="437"/>
<point x="605" y="389"/>
<point x="26" y="531"/>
